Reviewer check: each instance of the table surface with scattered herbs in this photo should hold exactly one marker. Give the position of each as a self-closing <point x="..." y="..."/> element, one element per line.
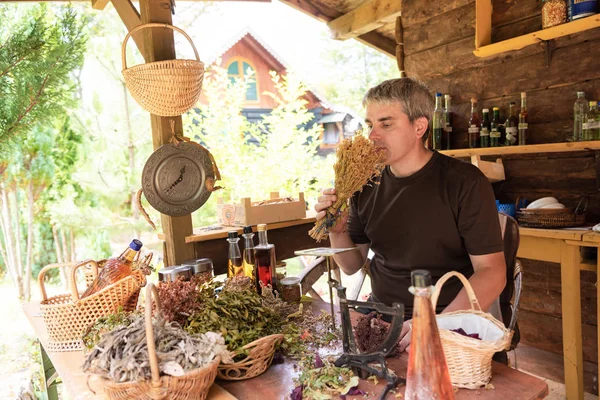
<point x="312" y="371"/>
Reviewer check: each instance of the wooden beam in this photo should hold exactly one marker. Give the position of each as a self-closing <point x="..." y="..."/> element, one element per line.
<point x="365" y="18"/>
<point x="483" y="23"/>
<point x="131" y="18"/>
<point x="160" y="46"/>
<point x="99" y="4"/>
<point x="526" y="149"/>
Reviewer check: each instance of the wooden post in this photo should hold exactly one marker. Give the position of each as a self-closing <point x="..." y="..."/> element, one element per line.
<point x="159" y="45"/>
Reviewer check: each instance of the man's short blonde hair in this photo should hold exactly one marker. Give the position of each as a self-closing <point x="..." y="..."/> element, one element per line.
<point x="413" y="95"/>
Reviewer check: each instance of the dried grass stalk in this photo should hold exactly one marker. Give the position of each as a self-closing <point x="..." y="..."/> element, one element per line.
<point x="359" y="161"/>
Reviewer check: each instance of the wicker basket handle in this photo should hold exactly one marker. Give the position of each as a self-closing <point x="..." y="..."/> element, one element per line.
<point x="73" y="282"/>
<point x="42" y="274"/>
<point x="151" y="291"/>
<point x="153" y="25"/>
<point x="470" y="292"/>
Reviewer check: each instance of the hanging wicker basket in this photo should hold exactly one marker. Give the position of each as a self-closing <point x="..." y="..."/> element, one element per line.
<point x="469" y="360"/>
<point x="67" y="317"/>
<point x="166" y="88"/>
<point x="193" y="385"/>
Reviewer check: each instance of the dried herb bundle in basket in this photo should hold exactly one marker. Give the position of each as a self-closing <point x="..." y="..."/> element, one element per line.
<point x="358" y="162"/>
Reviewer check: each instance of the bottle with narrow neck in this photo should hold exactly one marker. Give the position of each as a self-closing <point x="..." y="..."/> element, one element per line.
<point x="523" y="125"/>
<point x="495" y="129"/>
<point x="593" y="122"/>
<point x="234" y="257"/>
<point x="115" y="269"/>
<point x="474" y="125"/>
<point x="580" y="110"/>
<point x="427" y="375"/>
<point x="485" y="129"/>
<point x="248" y="260"/>
<point x="510" y="126"/>
<point x="264" y="261"/>
<point x="588" y="121"/>
<point x="447" y="118"/>
<point x="438" y="124"/>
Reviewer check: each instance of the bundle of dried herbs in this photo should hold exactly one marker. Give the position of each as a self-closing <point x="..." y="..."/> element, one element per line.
<point x="179" y="300"/>
<point x="306" y="332"/>
<point x="122" y="354"/>
<point x="359" y="161"/>
<point x="106" y="324"/>
<point x="238" y="314"/>
<point x="370" y="332"/>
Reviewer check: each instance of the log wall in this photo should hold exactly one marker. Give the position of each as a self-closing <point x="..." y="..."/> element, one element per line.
<point x="439" y="41"/>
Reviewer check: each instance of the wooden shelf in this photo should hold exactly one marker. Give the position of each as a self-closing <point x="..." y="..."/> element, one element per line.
<point x="527" y="149"/>
<point x="517" y="43"/>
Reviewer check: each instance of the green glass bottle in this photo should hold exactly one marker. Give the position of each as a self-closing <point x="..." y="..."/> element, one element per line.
<point x="495" y="129"/>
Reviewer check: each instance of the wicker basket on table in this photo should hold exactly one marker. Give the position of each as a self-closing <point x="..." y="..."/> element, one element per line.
<point x="193" y="384"/>
<point x="469" y="359"/>
<point x="166" y="88"/>
<point x="553" y="217"/>
<point x="67" y="316"/>
<point x="259" y="357"/>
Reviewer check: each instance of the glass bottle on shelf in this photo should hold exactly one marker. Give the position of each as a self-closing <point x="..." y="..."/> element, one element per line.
<point x="234" y="258"/>
<point x="485" y="128"/>
<point x="554" y="12"/>
<point x="264" y="260"/>
<point x="580" y="110"/>
<point x="248" y="260"/>
<point x="437" y="123"/>
<point x="586" y="127"/>
<point x="427" y="375"/>
<point x="115" y="269"/>
<point x="447" y="118"/>
<point x="592" y="123"/>
<point x="495" y="129"/>
<point x="510" y="126"/>
<point x="523" y="125"/>
<point x="474" y="125"/>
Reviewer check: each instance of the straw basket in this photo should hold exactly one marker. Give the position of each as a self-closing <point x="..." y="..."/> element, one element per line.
<point x="66" y="316"/>
<point x="192" y="385"/>
<point x="259" y="358"/>
<point x="553" y="218"/>
<point x="469" y="359"/>
<point x="166" y="88"/>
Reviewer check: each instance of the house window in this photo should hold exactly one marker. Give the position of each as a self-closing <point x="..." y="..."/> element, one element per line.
<point x="330" y="133"/>
<point x="240" y="69"/>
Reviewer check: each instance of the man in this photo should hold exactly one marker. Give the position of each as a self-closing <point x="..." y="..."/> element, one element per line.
<point x="426" y="211"/>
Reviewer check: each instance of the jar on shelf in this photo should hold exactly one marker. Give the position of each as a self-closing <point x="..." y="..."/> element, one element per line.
<point x="554" y="12"/>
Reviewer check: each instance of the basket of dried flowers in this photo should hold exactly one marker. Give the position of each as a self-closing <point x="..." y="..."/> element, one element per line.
<point x="156" y="359"/>
<point x="67" y="316"/>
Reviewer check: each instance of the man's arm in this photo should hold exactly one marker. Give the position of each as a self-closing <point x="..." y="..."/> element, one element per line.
<point x="487" y="281"/>
<point x="351" y="261"/>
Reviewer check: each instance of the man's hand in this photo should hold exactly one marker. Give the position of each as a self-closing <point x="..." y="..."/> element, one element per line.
<point x="324" y="201"/>
<point x="405" y="336"/>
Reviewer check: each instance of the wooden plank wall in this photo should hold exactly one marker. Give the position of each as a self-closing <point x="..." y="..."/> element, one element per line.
<point x="439" y="40"/>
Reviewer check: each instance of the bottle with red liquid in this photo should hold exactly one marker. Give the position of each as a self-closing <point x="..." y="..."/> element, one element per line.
<point x="264" y="260"/>
<point x="427" y="376"/>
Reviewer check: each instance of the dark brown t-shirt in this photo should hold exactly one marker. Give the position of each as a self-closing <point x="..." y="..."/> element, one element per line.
<point x="430" y="220"/>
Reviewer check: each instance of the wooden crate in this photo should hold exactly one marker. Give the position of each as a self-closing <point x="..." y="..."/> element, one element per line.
<point x="247" y="212"/>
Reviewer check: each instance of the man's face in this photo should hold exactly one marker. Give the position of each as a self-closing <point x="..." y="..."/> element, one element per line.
<point x="391" y="130"/>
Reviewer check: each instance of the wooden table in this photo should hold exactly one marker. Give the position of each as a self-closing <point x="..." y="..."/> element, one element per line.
<point x="563" y="246"/>
<point x="277" y="383"/>
<point x="287" y="236"/>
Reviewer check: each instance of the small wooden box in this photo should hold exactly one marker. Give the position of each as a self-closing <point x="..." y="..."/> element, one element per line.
<point x="493" y="171"/>
<point x="247" y="212"/>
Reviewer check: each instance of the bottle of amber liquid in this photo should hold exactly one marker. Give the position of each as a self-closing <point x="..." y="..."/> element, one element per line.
<point x="264" y="260"/>
<point x="427" y="375"/>
<point x="115" y="269"/>
<point x="248" y="261"/>
<point x="234" y="259"/>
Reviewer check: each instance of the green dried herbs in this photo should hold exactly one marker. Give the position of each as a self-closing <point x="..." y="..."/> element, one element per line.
<point x="322" y="380"/>
<point x="106" y="324"/>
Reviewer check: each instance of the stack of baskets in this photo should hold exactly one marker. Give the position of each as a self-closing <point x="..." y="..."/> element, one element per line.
<point x="67" y="316"/>
<point x="470" y="360"/>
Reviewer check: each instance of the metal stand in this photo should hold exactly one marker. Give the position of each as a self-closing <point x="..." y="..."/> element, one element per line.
<point x="360" y="363"/>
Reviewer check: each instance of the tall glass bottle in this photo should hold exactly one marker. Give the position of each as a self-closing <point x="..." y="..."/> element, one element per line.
<point x="485" y="128"/>
<point x="248" y="261"/>
<point x="589" y="117"/>
<point x="115" y="269"/>
<point x="427" y="375"/>
<point x="264" y="260"/>
<point x="438" y="123"/>
<point x="495" y="129"/>
<point x="511" y="126"/>
<point x="580" y="110"/>
<point x="447" y="118"/>
<point x="523" y="125"/>
<point x="234" y="257"/>
<point x="592" y="123"/>
<point x="474" y="125"/>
